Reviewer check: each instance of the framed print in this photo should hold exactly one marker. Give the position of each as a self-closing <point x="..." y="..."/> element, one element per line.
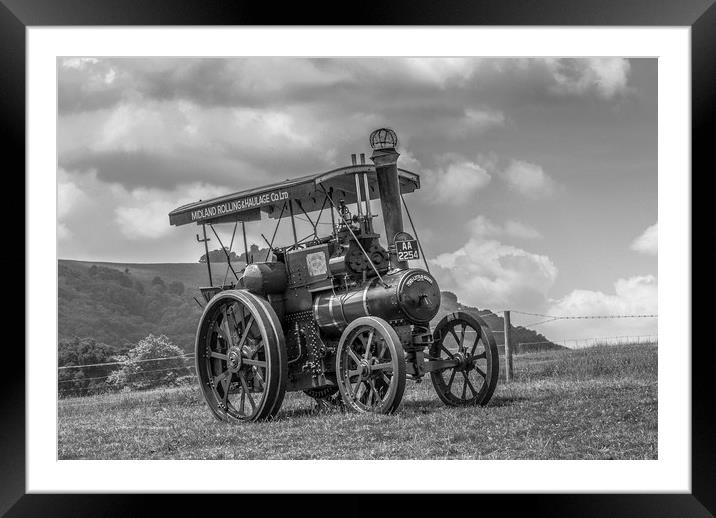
<point x="421" y="251"/>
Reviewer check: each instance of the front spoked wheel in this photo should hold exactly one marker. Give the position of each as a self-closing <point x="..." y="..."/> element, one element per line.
<point x="240" y="358"/>
<point x="370" y="366"/>
<point x="468" y="344"/>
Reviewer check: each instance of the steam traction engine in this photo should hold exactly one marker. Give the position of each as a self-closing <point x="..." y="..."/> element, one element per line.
<point x="332" y="314"/>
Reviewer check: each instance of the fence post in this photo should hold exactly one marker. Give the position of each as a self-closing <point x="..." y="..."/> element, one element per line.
<point x="508" y="346"/>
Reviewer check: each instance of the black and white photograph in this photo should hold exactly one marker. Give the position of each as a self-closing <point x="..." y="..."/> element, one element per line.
<point x="357" y="258"/>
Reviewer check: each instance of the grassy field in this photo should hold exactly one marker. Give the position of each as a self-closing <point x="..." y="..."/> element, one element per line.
<point x="596" y="403"/>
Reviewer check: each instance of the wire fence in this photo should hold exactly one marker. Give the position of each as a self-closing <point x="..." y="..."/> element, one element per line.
<point x="92" y="385"/>
<point x="122" y="362"/>
<point x="544" y="318"/>
<point x="83" y="385"/>
<point x="580" y="343"/>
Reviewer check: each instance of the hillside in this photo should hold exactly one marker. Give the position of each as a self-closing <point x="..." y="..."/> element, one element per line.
<point x="120" y="303"/>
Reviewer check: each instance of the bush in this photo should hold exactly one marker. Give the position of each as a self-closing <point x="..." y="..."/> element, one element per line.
<point x="74" y="380"/>
<point x="142" y="367"/>
<point x="176" y="287"/>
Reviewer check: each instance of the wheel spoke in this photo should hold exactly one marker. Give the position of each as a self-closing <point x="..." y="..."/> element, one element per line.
<point x="356" y="389"/>
<point x="225" y="330"/>
<point x="246" y="332"/>
<point x="353" y="356"/>
<point x="254" y="363"/>
<point x="452" y="332"/>
<point x="477" y="340"/>
<point x="226" y="392"/>
<point x="462" y="337"/>
<point x="469" y="383"/>
<point x="383" y="347"/>
<point x="257" y="375"/>
<point x="482" y="355"/>
<point x="235" y="320"/>
<point x="464" y="388"/>
<point x="370" y="342"/>
<point x="480" y="371"/>
<point x="381" y="366"/>
<point x="219" y="356"/>
<point x="386" y="379"/>
<point x="452" y="378"/>
<point x="450" y="355"/>
<point x="374" y="391"/>
<point x="354" y="373"/>
<point x="220" y="378"/>
<point x="246" y="390"/>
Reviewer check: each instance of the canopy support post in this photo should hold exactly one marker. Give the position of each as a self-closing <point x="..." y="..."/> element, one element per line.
<point x="206" y="249"/>
<point x="246" y="249"/>
<point x="293" y="222"/>
<point x="333" y="218"/>
<point x="275" y="230"/>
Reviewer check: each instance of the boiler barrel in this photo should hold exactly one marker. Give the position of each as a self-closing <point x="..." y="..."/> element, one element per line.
<point x="412" y="295"/>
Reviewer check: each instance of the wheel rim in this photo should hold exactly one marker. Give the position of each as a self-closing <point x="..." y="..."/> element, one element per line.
<point x="371" y="369"/>
<point x="234" y="361"/>
<point x="473" y="379"/>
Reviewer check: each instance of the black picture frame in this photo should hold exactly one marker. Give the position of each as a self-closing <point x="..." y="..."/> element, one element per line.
<point x="17" y="15"/>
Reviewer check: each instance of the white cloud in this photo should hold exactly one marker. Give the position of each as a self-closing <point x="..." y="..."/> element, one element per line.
<point x="78" y="63"/>
<point x="633" y="296"/>
<point x="70" y="196"/>
<point x="458" y="182"/>
<point x="607" y="77"/>
<point x="648" y="241"/>
<point x="489" y="274"/>
<point x="431" y="71"/>
<point x="520" y="230"/>
<point x="63" y="233"/>
<point x="144" y="213"/>
<point x="529" y="179"/>
<point x="483" y="118"/>
<point x="482" y="226"/>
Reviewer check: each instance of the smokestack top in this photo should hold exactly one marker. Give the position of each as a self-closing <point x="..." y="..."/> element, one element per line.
<point x="383" y="138"/>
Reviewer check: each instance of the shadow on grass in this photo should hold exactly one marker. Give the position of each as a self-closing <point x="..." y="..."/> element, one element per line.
<point x="503" y="401"/>
<point x="311" y="411"/>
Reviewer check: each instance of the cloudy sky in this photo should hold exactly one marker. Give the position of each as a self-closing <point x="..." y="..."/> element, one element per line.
<point x="539" y="176"/>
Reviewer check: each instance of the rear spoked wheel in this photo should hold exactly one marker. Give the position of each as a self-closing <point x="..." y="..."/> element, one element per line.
<point x="467" y="342"/>
<point x="240" y="357"/>
<point x="370" y="366"/>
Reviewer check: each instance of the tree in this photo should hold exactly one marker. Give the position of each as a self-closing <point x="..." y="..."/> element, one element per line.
<point x="176" y="287"/>
<point x="154" y="362"/>
<point x="255" y="254"/>
<point x="158" y="284"/>
<point x="219" y="256"/>
<point x="79" y="381"/>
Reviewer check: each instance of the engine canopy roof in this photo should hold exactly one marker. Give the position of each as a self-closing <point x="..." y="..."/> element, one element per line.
<point x="308" y="191"/>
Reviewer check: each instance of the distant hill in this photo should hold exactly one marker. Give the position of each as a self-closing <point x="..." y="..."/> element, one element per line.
<point x="537" y="341"/>
<point x="118" y="304"/>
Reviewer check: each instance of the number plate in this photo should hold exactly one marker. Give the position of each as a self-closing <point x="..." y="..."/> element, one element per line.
<point x="407" y="250"/>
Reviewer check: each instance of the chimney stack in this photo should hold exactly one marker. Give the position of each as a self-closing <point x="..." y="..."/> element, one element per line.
<point x="385" y="157"/>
